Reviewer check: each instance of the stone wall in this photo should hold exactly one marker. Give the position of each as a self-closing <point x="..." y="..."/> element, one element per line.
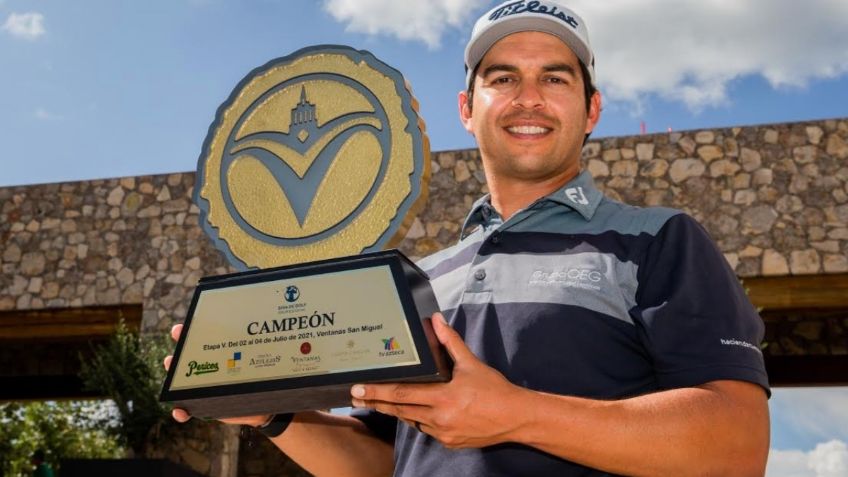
<point x="774" y="197"/>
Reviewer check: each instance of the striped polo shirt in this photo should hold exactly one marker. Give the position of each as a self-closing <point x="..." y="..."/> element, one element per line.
<point x="581" y="295"/>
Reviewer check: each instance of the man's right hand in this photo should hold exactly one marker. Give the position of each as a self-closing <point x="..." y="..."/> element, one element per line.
<point x="181" y="415"/>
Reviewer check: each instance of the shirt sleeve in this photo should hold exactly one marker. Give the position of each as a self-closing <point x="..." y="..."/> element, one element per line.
<point x="694" y="315"/>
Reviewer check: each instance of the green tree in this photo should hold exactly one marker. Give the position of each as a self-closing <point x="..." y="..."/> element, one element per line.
<point x="61" y="429"/>
<point x="128" y="369"/>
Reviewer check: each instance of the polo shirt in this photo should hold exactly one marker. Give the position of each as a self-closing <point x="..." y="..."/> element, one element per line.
<point x="581" y="295"/>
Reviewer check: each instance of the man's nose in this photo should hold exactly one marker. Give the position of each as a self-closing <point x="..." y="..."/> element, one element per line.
<point x="528" y="95"/>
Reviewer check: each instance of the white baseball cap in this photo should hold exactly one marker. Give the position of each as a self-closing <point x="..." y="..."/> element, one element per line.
<point x="547" y="16"/>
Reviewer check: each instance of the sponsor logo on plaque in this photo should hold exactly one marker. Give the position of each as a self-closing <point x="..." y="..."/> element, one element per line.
<point x="265" y="360"/>
<point x="316" y="155"/>
<point x="305" y="348"/>
<point x="195" y="368"/>
<point x="292" y="293"/>
<point x="233" y="362"/>
<point x="391" y="347"/>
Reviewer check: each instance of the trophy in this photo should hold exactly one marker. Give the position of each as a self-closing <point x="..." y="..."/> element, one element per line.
<point x="314" y="165"/>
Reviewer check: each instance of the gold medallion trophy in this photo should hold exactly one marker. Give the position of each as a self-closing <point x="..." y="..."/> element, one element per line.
<point x="316" y="162"/>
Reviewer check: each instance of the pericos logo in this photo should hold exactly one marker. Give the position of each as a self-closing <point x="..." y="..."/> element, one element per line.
<point x="315" y="155"/>
<point x="195" y="368"/>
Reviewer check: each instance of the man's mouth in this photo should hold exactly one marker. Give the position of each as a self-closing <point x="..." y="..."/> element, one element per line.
<point x="528" y="130"/>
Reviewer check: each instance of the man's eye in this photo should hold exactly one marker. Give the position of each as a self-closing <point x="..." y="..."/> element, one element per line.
<point x="556" y="80"/>
<point x="502" y="80"/>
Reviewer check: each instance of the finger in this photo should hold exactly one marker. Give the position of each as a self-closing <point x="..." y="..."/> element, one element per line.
<point x="451" y="340"/>
<point x="408" y="413"/>
<point x="252" y="421"/>
<point x="421" y="394"/>
<point x="167" y="362"/>
<point x="176" y="331"/>
<point x="180" y="415"/>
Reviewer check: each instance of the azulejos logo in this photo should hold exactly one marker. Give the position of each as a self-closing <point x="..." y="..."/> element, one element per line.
<point x="292" y="293"/>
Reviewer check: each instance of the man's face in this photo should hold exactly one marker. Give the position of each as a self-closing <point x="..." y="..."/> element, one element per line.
<point x="529" y="111"/>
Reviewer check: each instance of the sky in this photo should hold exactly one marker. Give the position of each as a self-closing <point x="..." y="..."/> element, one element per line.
<point x="108" y="88"/>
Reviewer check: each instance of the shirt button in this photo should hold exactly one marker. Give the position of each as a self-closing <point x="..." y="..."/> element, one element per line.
<point x="496" y="239"/>
<point x="480" y="274"/>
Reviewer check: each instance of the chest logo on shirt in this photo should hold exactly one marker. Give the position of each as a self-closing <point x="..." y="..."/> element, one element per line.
<point x="585" y="278"/>
<point x="576" y="195"/>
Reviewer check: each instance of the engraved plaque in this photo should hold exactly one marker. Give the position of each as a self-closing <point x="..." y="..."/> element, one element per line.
<point x="295" y="338"/>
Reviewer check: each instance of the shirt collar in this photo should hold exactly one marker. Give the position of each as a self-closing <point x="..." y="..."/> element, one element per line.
<point x="579" y="194"/>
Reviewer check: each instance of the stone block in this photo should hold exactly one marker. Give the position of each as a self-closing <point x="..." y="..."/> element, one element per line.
<point x="774" y="264"/>
<point x="763" y="177"/>
<point x="687" y="144"/>
<point x="758" y="219"/>
<point x="770" y="136"/>
<point x="12" y="253"/>
<point x="591" y="149"/>
<point x="836" y="146"/>
<point x="805" y="154"/>
<point x="598" y="168"/>
<point x="742" y="180"/>
<point x="460" y="171"/>
<point x="835" y="263"/>
<point x="745" y="197"/>
<point x="611" y="155"/>
<point x="645" y="151"/>
<point x="683" y="169"/>
<point x="626" y="168"/>
<point x="732" y="260"/>
<point x="804" y="262"/>
<point x="814" y="134"/>
<point x="655" y="168"/>
<point x="705" y="137"/>
<point x="710" y="153"/>
<point x="116" y="196"/>
<point x="750" y="159"/>
<point x="723" y="167"/>
<point x="33" y="263"/>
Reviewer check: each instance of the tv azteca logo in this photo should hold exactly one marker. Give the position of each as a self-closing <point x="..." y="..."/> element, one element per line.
<point x="391" y="347"/>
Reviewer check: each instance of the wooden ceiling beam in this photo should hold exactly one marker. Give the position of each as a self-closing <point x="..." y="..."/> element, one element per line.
<point x="800" y="291"/>
<point x="67" y="323"/>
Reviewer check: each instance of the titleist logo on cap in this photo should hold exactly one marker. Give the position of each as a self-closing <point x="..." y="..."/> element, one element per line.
<point x="531" y="7"/>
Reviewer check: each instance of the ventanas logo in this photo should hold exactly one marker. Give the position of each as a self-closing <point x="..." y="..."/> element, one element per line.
<point x="195" y="368"/>
<point x="391" y="347"/>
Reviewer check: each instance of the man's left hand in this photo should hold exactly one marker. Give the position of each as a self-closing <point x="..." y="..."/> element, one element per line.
<point x="472" y="410"/>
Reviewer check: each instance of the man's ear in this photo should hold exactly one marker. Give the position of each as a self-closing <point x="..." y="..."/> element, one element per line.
<point x="465" y="112"/>
<point x="594" y="112"/>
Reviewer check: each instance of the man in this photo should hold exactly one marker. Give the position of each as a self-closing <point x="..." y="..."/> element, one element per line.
<point x="589" y="337"/>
